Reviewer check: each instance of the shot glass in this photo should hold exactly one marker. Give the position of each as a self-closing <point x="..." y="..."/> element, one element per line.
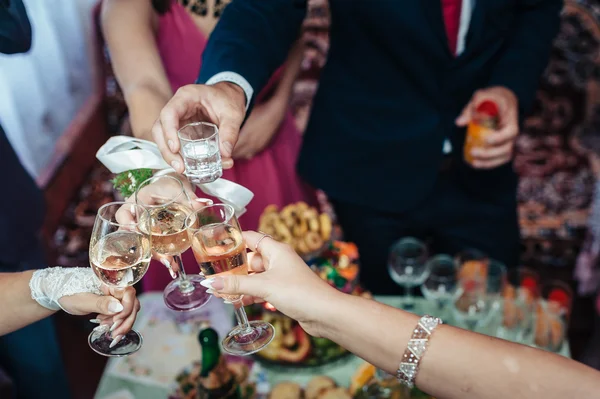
<point x="200" y="152"/>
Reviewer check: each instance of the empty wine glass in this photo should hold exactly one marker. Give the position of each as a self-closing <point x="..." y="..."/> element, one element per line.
<point x="168" y="207"/>
<point x="480" y="295"/>
<point x="407" y="265"/>
<point x="120" y="252"/>
<point x="219" y="248"/>
<point x="442" y="285"/>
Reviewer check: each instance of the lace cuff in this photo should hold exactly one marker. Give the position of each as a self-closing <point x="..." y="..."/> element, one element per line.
<point x="49" y="285"/>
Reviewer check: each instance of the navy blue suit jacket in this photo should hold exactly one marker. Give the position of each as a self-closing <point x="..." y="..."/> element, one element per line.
<point x="21" y="203"/>
<point x="391" y="90"/>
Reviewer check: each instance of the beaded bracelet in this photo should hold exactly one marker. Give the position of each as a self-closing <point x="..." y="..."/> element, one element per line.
<point x="415" y="350"/>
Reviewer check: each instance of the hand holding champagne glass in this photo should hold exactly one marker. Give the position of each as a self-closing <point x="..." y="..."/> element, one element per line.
<point x="120" y="253"/>
<point x="220" y="249"/>
<point x="168" y="207"/>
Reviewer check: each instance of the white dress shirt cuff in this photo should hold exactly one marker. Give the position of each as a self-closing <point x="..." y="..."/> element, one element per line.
<point x="236" y="78"/>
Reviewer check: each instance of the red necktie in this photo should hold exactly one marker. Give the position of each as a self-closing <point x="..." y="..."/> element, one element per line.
<point x="451" y="10"/>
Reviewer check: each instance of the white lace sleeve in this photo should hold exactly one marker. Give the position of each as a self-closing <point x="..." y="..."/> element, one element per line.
<point x="49" y="285"/>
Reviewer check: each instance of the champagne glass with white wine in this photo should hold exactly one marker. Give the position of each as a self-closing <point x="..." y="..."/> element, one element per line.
<point x="120" y="252"/>
<point x="168" y="207"/>
<point x="220" y="249"/>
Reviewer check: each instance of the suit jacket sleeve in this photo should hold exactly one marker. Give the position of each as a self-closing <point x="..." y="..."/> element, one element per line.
<point x="252" y="39"/>
<point x="528" y="49"/>
<point x="15" y="30"/>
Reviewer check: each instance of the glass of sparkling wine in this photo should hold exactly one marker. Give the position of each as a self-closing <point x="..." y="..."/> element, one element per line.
<point x="168" y="207"/>
<point x="441" y="286"/>
<point x="120" y="252"/>
<point x="407" y="266"/>
<point x="200" y="151"/>
<point x="219" y="248"/>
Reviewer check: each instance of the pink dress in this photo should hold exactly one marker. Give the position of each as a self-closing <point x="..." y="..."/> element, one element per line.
<point x="270" y="175"/>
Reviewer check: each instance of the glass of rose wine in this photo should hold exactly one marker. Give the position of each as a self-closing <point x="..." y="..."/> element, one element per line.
<point x="120" y="252"/>
<point x="168" y="207"/>
<point x="219" y="248"/>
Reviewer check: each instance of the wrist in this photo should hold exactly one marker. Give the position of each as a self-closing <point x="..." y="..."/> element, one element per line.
<point x="233" y="91"/>
<point x="329" y="313"/>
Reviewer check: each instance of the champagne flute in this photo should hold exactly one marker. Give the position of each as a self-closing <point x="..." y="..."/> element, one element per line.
<point x="120" y="252"/>
<point x="442" y="285"/>
<point x="407" y="266"/>
<point x="219" y="248"/>
<point x="168" y="207"/>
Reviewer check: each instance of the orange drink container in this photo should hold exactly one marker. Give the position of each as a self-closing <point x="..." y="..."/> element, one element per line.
<point x="483" y="123"/>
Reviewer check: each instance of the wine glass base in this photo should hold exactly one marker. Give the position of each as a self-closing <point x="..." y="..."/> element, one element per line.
<point x="242" y="343"/>
<point x="183" y="300"/>
<point x="100" y="343"/>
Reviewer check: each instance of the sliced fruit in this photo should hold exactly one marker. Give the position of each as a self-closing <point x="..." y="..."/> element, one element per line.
<point x="362" y="376"/>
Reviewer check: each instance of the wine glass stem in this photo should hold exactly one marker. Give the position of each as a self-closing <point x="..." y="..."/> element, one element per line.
<point x="408" y="299"/>
<point x="240" y="315"/>
<point x="184" y="284"/>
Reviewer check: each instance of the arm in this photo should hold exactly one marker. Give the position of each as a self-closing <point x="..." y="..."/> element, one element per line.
<point x="66" y="288"/>
<point x="19" y="308"/>
<point x="128" y="27"/>
<point x="264" y="120"/>
<point x="252" y="39"/>
<point x="528" y="49"/>
<point x="15" y="29"/>
<point x="457" y="364"/>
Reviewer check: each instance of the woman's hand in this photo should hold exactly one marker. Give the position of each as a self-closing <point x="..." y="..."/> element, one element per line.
<point x="260" y="128"/>
<point x="281" y="278"/>
<point x="117" y="309"/>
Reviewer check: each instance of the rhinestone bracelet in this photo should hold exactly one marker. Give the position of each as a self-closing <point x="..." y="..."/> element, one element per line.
<point x="415" y="350"/>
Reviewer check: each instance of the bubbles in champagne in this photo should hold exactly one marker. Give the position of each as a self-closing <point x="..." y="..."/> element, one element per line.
<point x="167" y="226"/>
<point x="121" y="258"/>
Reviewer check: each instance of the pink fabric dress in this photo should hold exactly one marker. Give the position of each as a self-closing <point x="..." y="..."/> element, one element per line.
<point x="270" y="175"/>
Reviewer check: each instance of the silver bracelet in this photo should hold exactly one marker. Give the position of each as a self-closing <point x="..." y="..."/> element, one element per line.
<point x="415" y="350"/>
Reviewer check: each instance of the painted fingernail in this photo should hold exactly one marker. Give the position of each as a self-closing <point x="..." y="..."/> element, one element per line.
<point x="115" y="341"/>
<point x="115" y="306"/>
<point x="227" y="147"/>
<point x="103" y="327"/>
<point x="175" y="165"/>
<point x="115" y="325"/>
<point x="171" y="145"/>
<point x="95" y="321"/>
<point x="207" y="283"/>
<point x="173" y="274"/>
<point x="215" y="283"/>
<point x="227" y="163"/>
<point x="209" y="291"/>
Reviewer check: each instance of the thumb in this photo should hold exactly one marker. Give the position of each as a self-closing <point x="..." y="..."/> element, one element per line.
<point x="465" y="116"/>
<point x="229" y="129"/>
<point x="234" y="284"/>
<point x="106" y="305"/>
<point x="86" y="303"/>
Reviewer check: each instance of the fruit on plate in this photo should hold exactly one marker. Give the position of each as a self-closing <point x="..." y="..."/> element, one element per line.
<point x="297" y="224"/>
<point x="318" y="386"/>
<point x="362" y="376"/>
<point x="286" y="390"/>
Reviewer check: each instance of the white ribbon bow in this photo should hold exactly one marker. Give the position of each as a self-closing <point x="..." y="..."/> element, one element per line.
<point x="122" y="153"/>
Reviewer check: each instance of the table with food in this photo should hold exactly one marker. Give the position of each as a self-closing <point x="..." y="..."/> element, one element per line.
<point x="187" y="361"/>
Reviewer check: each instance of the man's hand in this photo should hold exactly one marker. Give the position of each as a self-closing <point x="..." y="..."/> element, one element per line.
<point x="223" y="104"/>
<point x="500" y="144"/>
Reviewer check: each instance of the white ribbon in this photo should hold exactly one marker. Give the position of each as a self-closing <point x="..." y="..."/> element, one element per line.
<point x="122" y="153"/>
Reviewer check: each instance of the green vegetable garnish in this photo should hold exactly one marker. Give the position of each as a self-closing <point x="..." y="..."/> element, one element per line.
<point x="128" y="182"/>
